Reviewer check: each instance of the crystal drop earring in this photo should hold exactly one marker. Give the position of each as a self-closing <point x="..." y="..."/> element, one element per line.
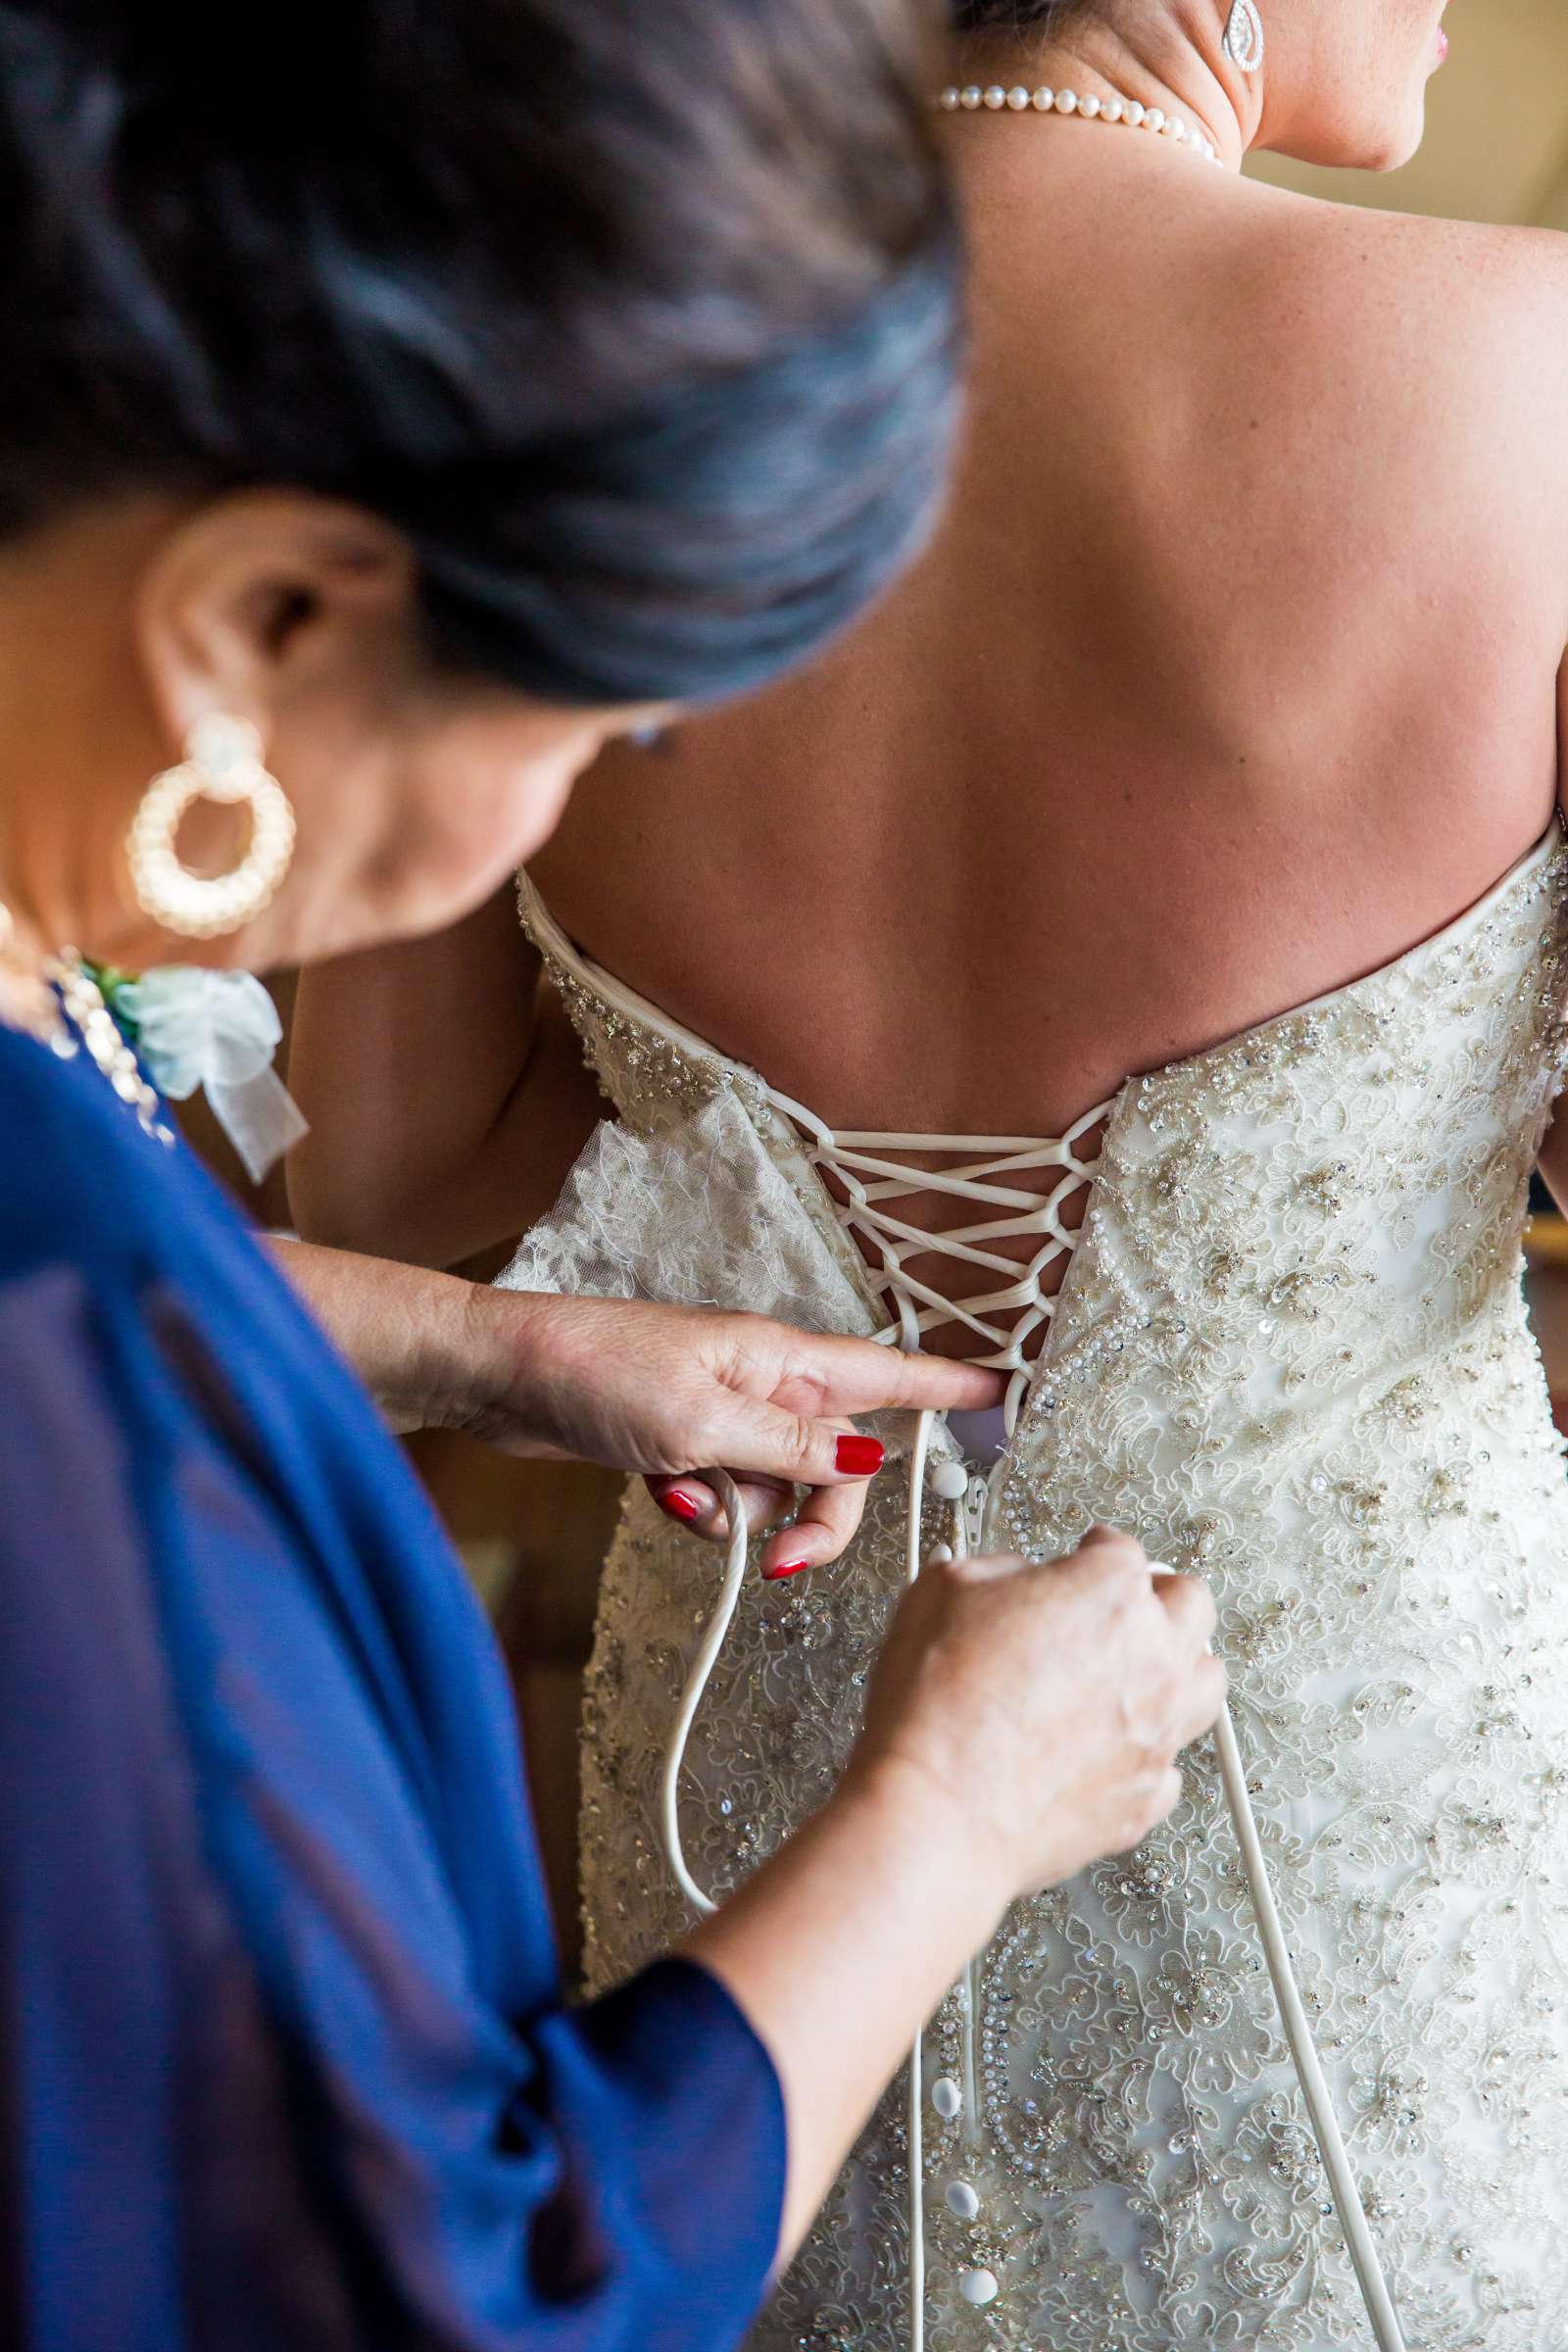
<point x="1243" y="36"/>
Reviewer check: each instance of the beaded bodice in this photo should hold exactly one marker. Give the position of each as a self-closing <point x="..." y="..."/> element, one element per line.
<point x="1290" y="1353"/>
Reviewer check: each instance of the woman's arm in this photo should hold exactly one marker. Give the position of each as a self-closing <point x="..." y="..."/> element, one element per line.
<point x="446" y="1093"/>
<point x="1022" y="1722"/>
<point x="261" y="1825"/>
<point x="657" y="1390"/>
<point x="309" y="2073"/>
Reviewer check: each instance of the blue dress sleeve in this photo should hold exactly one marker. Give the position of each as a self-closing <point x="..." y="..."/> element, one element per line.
<point x="284" y="2058"/>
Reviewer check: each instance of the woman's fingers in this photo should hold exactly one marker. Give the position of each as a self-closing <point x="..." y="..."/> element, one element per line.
<point x="693" y="1502"/>
<point x="828" y="1518"/>
<point x="856" y="1376"/>
<point x="1189" y="1605"/>
<point x="755" y="1439"/>
<point x="687" y="1499"/>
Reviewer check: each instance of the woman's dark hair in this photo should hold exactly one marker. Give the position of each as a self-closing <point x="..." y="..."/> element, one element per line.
<point x="636" y="316"/>
<point x="1006" y="15"/>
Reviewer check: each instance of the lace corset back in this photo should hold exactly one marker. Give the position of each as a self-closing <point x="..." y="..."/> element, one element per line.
<point x="1028" y="1186"/>
<point x="1289" y="1353"/>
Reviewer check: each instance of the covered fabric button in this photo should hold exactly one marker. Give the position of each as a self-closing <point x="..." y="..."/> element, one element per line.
<point x="950" y="1479"/>
<point x="947" y="2098"/>
<point x="962" y="2200"/>
<point x="979" y="2287"/>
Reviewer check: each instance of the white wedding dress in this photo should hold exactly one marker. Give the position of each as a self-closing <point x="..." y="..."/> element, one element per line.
<point x="1290" y="1353"/>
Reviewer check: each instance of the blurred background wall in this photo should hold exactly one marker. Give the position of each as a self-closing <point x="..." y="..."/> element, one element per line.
<point x="1497" y="140"/>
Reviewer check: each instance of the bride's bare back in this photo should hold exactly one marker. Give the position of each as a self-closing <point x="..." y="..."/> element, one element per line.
<point x="1232" y="674"/>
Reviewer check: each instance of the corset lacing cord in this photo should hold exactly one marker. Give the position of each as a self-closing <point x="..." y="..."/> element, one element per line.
<point x="856" y="1159"/>
<point x="873" y="1182"/>
<point x="1309" y="2074"/>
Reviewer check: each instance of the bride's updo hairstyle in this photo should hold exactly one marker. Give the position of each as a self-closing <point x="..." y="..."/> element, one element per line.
<point x="637" y="319"/>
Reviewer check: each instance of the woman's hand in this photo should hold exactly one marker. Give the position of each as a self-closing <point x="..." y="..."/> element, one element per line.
<point x="672" y="1391"/>
<point x="1046" y="1703"/>
<point x="666" y="1390"/>
<point x="1021" y="1723"/>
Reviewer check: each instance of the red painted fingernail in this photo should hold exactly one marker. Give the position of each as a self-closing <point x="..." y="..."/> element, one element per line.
<point x="685" y="1506"/>
<point x="859" y="1457"/>
<point x="772" y="1576"/>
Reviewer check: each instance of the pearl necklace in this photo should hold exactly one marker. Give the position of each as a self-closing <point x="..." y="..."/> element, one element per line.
<point x="82" y="1000"/>
<point x="971" y="98"/>
<point x="74" y="1014"/>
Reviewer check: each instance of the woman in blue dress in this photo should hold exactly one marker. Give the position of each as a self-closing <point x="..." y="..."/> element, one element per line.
<point x="398" y="401"/>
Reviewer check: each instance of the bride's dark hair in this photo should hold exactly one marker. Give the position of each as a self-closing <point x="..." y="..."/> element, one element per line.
<point x="637" y="319"/>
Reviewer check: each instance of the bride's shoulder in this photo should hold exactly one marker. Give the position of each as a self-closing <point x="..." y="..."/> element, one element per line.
<point x="1465" y="319"/>
<point x="1384" y="274"/>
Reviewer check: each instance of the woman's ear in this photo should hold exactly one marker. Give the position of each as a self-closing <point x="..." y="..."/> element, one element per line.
<point x="256" y="600"/>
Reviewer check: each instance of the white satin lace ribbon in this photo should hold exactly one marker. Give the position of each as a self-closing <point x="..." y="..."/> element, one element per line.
<point x="1309" y="2074"/>
<point x="912" y="1565"/>
<point x="735" y="1561"/>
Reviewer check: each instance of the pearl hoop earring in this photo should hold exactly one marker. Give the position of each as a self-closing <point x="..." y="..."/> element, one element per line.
<point x="223" y="762"/>
<point x="1243" y="36"/>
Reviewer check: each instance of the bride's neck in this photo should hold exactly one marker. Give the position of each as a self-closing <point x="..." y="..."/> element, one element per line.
<point x="1176" y="64"/>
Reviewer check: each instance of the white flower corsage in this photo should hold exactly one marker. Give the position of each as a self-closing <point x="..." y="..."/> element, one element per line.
<point x="217" y="1031"/>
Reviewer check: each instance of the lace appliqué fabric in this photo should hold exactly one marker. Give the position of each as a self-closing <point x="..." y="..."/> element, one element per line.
<point x="1292" y="1355"/>
<point x="697" y="1214"/>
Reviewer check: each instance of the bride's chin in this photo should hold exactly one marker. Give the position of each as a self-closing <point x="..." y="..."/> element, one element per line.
<point x="1396" y="144"/>
<point x="1394" y="159"/>
<point x="1354" y="138"/>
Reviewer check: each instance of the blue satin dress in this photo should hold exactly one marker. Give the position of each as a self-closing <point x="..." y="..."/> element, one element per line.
<point x="284" y="2057"/>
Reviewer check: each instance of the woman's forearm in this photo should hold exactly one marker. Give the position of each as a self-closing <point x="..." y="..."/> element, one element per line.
<point x="839" y="1949"/>
<point x="416" y="1339"/>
